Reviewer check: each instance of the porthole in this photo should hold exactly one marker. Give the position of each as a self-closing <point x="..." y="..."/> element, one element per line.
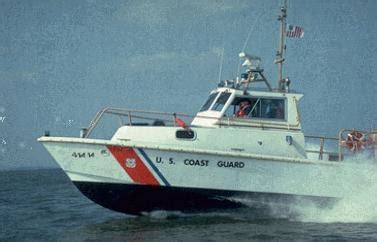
<point x="185" y="134"/>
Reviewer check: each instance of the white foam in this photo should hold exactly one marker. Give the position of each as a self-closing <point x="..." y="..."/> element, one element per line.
<point x="163" y="214"/>
<point x="359" y="206"/>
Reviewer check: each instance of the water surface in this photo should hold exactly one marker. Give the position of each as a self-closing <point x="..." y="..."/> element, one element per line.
<point x="44" y="205"/>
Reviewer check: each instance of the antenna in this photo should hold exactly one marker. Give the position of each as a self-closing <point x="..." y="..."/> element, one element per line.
<point x="221" y="64"/>
<point x="280" y="52"/>
<point x="247" y="41"/>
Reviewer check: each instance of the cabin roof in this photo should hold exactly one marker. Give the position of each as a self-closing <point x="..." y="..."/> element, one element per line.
<point x="258" y="92"/>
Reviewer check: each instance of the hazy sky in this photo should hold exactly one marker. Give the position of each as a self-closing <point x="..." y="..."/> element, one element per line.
<point x="61" y="61"/>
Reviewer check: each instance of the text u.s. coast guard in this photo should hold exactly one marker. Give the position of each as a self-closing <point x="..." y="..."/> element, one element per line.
<point x="202" y="162"/>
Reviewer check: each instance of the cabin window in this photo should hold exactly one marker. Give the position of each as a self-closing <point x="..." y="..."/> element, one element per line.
<point x="185" y="134"/>
<point x="208" y="103"/>
<point x="221" y="101"/>
<point x="272" y="108"/>
<point x="263" y="108"/>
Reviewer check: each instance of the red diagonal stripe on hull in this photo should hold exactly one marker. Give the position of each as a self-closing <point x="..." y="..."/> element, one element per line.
<point x="140" y="173"/>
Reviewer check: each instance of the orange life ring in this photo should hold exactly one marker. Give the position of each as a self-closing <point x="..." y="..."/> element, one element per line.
<point x="356" y="141"/>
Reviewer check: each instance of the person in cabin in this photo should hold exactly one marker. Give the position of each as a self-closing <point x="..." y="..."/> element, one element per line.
<point x="274" y="109"/>
<point x="280" y="111"/>
<point x="269" y="111"/>
<point x="244" y="109"/>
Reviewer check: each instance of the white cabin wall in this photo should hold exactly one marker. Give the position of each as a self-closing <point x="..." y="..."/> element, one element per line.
<point x="231" y="139"/>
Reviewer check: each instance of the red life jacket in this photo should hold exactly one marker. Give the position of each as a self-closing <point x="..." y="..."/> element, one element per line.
<point x="242" y="112"/>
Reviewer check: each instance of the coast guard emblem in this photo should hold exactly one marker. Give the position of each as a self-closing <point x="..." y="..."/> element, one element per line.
<point x="130" y="163"/>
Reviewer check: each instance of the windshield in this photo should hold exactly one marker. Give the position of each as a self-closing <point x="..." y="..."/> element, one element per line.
<point x="221" y="101"/>
<point x="208" y="103"/>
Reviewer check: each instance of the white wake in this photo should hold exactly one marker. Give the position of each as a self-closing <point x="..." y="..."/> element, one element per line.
<point x="358" y="206"/>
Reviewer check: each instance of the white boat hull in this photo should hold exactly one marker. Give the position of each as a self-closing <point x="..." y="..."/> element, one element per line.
<point x="137" y="179"/>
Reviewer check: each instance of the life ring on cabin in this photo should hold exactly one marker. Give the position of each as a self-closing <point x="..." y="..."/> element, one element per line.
<point x="356" y="141"/>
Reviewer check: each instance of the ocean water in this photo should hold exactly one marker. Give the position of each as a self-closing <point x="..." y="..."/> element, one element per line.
<point x="42" y="205"/>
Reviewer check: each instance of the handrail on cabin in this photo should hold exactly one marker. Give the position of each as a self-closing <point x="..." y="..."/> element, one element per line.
<point x="171" y="118"/>
<point x="128" y="113"/>
<point x="134" y="113"/>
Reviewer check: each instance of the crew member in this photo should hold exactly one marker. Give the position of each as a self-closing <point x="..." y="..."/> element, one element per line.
<point x="244" y="109"/>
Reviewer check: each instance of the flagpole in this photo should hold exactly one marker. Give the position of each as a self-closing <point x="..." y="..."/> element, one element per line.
<point x="279" y="54"/>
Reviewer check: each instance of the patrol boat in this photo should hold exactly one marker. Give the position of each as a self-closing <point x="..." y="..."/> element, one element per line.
<point x="243" y="143"/>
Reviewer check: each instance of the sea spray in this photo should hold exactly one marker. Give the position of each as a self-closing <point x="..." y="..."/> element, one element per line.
<point x="358" y="206"/>
<point x="163" y="214"/>
<point x="356" y="176"/>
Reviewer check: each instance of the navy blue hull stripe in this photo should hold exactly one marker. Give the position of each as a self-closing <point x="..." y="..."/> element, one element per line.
<point x="135" y="198"/>
<point x="153" y="167"/>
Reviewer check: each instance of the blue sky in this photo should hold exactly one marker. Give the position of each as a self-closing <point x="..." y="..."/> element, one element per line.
<point x="61" y="61"/>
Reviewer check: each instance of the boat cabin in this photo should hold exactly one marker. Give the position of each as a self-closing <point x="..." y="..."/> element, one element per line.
<point x="234" y="103"/>
<point x="229" y="105"/>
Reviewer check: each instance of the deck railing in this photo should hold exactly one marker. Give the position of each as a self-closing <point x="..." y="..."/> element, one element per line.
<point x="133" y="114"/>
<point x="341" y="143"/>
<point x="169" y="119"/>
<point x="166" y="118"/>
<point x="323" y="140"/>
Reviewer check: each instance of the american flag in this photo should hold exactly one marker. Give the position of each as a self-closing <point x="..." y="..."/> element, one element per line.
<point x="295" y="31"/>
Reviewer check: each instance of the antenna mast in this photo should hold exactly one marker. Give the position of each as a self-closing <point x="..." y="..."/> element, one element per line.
<point x="279" y="54"/>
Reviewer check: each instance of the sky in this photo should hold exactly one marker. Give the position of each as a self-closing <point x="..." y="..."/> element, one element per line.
<point x="61" y="61"/>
